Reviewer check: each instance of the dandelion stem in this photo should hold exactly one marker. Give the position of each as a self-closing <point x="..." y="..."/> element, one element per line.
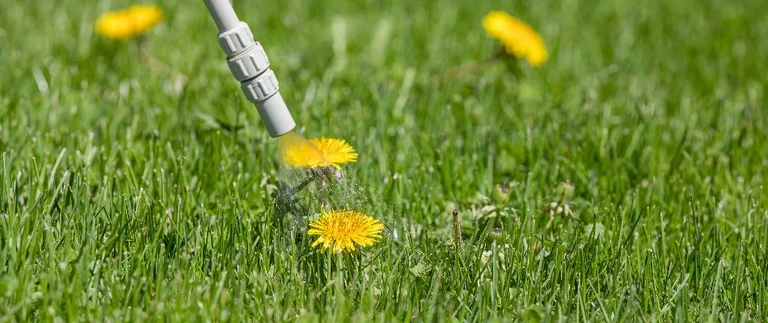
<point x="311" y="177"/>
<point x="324" y="203"/>
<point x="156" y="64"/>
<point x="471" y="67"/>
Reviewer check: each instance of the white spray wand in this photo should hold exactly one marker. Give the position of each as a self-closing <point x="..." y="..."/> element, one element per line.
<point x="249" y="64"/>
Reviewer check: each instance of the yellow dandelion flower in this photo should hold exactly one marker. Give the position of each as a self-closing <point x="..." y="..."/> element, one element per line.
<point x="342" y="230"/>
<point x="335" y="151"/>
<point x="296" y="151"/>
<point x="127" y="23"/>
<point x="518" y="38"/>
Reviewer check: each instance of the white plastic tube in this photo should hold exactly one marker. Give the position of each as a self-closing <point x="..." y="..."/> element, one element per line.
<point x="223" y="14"/>
<point x="248" y="63"/>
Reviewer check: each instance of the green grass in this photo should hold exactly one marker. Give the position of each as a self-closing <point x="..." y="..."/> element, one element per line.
<point x="123" y="199"/>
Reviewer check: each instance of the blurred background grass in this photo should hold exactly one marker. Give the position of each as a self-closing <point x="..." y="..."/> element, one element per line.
<point x="125" y="196"/>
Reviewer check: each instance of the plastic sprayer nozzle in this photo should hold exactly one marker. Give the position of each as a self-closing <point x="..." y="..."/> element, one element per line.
<point x="248" y="63"/>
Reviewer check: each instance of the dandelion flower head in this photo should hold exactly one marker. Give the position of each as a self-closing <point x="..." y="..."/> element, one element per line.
<point x="127" y="23"/>
<point x="342" y="230"/>
<point x="335" y="151"/>
<point x="318" y="152"/>
<point x="517" y="37"/>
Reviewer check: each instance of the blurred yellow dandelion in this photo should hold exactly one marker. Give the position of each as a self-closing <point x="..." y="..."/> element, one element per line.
<point x="342" y="230"/>
<point x="145" y="17"/>
<point x="115" y="25"/>
<point x="127" y="23"/>
<point x="318" y="152"/>
<point x="517" y="37"/>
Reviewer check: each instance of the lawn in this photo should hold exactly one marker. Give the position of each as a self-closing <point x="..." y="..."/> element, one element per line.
<point x="623" y="180"/>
